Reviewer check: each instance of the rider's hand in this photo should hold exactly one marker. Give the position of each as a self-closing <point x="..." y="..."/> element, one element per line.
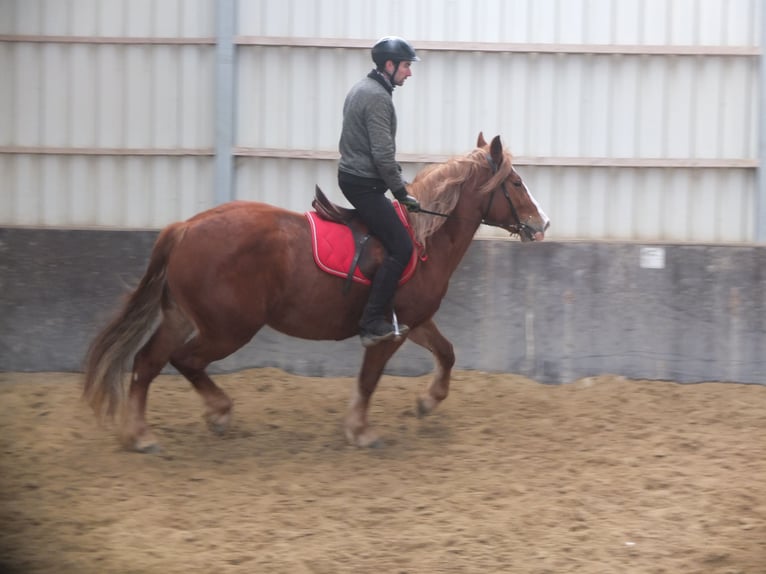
<point x="411" y="203"/>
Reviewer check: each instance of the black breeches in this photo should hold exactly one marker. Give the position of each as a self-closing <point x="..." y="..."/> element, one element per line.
<point x="381" y="218"/>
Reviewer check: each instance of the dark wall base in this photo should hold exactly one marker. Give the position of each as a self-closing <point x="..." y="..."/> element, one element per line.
<point x="551" y="311"/>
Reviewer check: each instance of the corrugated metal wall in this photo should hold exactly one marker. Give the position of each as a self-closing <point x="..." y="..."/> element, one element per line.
<point x="629" y="119"/>
<point x="107" y="111"/>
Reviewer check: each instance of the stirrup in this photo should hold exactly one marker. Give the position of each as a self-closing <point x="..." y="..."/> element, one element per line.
<point x="392" y="331"/>
<point x="395" y="321"/>
<point x="370" y="340"/>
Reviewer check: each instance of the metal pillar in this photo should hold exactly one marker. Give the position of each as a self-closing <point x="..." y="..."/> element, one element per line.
<point x="224" y="100"/>
<point x="760" y="198"/>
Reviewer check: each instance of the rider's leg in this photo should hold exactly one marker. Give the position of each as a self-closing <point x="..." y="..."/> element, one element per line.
<point x="374" y="327"/>
<point x="376" y="210"/>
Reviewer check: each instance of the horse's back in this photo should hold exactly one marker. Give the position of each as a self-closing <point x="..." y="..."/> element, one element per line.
<point x="238" y="209"/>
<point x="239" y="237"/>
<point x="241" y="221"/>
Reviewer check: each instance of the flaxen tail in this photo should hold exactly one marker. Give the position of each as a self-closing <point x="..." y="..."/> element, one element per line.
<point x="116" y="345"/>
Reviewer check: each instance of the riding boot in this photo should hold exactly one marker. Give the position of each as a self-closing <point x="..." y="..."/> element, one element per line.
<point x="374" y="326"/>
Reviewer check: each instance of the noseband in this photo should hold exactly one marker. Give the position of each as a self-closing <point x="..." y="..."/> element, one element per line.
<point x="520" y="226"/>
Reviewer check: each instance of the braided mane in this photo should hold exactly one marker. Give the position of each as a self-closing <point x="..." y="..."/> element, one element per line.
<point x="438" y="187"/>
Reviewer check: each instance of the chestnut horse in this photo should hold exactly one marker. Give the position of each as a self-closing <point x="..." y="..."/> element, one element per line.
<point x="214" y="280"/>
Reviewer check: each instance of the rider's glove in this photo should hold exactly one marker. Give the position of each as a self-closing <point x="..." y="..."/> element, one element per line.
<point x="411" y="203"/>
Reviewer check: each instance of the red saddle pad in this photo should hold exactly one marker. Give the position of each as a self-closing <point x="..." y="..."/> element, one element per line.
<point x="333" y="247"/>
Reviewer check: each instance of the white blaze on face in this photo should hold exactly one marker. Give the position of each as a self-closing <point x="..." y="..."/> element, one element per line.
<point x="546" y="221"/>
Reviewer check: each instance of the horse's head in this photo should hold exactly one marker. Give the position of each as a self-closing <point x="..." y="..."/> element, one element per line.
<point x="519" y="214"/>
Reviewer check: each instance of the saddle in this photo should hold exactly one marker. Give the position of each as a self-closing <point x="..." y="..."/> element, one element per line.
<point x="342" y="245"/>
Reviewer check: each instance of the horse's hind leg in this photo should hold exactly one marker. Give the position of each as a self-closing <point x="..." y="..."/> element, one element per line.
<point x="217" y="403"/>
<point x="428" y="336"/>
<point x="147" y="364"/>
<point x="191" y="361"/>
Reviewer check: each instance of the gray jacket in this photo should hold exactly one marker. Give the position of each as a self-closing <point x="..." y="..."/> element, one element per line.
<point x="368" y="139"/>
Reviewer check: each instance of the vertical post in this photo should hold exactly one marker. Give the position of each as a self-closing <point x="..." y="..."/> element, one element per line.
<point x="760" y="198"/>
<point x="224" y="100"/>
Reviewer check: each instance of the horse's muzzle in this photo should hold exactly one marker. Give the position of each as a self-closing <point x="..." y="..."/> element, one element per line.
<point x="528" y="233"/>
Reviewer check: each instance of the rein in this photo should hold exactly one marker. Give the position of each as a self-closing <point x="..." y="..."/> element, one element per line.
<point x="428" y="212"/>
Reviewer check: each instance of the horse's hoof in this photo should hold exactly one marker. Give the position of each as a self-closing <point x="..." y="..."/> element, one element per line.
<point x="425" y="406"/>
<point x="150" y="448"/>
<point x="218" y="423"/>
<point x="366" y="439"/>
<point x="145" y="445"/>
<point x="376" y="442"/>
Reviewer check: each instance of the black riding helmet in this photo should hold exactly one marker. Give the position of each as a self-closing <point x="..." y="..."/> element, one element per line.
<point x="395" y="49"/>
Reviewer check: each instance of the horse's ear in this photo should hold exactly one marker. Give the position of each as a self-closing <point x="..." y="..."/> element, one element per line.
<point x="496" y="150"/>
<point x="481" y="142"/>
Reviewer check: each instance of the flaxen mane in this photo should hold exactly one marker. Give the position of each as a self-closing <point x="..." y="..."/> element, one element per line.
<point x="438" y="186"/>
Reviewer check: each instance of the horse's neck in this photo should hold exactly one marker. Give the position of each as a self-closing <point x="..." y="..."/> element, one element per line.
<point x="450" y="242"/>
<point x="461" y="233"/>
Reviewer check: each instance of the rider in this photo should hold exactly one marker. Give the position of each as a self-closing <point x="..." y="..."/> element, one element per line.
<point x="368" y="168"/>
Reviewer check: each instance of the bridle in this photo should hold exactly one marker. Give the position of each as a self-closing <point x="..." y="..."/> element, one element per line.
<point x="518" y="228"/>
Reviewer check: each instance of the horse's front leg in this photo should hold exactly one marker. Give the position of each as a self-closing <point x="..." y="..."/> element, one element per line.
<point x="428" y="336"/>
<point x="357" y="429"/>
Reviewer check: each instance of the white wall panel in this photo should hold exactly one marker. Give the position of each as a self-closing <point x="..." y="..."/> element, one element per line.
<point x="686" y="22"/>
<point x="293" y="97"/>
<point x="111" y="127"/>
<point x="286" y="182"/>
<point x="606" y="138"/>
<point x="545" y="105"/>
<point x="109" y="18"/>
<point x="110" y="96"/>
<point x="115" y="191"/>
<point x="645" y="204"/>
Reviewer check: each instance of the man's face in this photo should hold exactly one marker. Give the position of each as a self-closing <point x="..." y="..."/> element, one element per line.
<point x="404" y="71"/>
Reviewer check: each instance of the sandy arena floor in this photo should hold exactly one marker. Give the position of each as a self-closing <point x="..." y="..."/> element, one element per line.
<point x="600" y="476"/>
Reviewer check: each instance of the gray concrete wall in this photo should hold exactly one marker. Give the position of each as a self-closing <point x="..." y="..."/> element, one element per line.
<point x="552" y="311"/>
